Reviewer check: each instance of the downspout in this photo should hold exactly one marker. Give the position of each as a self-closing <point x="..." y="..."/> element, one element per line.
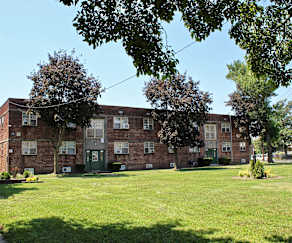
<point x="231" y="152"/>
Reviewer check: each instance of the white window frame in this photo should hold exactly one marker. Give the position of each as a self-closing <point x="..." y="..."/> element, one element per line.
<point x="148" y="123"/>
<point x="121" y="147"/>
<point x="2" y="120"/>
<point x="66" y="147"/>
<point x="29" y="147"/>
<point x="226" y="147"/>
<point x="28" y="118"/>
<point x="121" y="122"/>
<point x="208" y="132"/>
<point x="95" y="125"/>
<point x="242" y="146"/>
<point x="170" y="149"/>
<point x="149" y="147"/>
<point x="225" y="127"/>
<point x="195" y="149"/>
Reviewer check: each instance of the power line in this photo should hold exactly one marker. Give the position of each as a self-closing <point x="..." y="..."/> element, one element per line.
<point x="110" y="87"/>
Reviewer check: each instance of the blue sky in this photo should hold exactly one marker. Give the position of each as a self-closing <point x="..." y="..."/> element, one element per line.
<point x="30" y="29"/>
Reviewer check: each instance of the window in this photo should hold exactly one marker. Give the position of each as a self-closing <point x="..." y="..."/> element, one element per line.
<point x="226" y="147"/>
<point x="242" y="146"/>
<point x="96" y="129"/>
<point x="68" y="147"/>
<point x="148" y="123"/>
<point x="210" y="145"/>
<point x="225" y="127"/>
<point x="121" y="123"/>
<point x="170" y="149"/>
<point x="2" y="121"/>
<point x="29" y="119"/>
<point x="195" y="149"/>
<point x="121" y="148"/>
<point x="148" y="147"/>
<point x="210" y="131"/>
<point x="29" y="147"/>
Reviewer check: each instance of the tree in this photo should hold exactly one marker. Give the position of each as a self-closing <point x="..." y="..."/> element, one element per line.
<point x="261" y="28"/>
<point x="283" y="117"/>
<point x="251" y="104"/>
<point x="180" y="109"/>
<point x="63" y="94"/>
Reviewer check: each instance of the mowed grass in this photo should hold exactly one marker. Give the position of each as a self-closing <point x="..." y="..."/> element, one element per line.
<point x="200" y="205"/>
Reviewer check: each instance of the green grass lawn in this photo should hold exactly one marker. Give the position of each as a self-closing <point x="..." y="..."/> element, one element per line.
<point x="200" y="205"/>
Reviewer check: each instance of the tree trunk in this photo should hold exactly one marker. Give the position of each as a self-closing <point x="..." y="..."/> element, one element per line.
<point x="56" y="149"/>
<point x="263" y="150"/>
<point x="254" y="153"/>
<point x="177" y="163"/>
<point x="286" y="150"/>
<point x="270" y="149"/>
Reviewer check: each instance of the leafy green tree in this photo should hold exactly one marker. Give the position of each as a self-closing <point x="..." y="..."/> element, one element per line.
<point x="283" y="117"/>
<point x="262" y="28"/>
<point x="180" y="109"/>
<point x="251" y="104"/>
<point x="63" y="94"/>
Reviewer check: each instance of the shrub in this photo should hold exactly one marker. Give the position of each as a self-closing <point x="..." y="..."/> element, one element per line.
<point x="224" y="161"/>
<point x="114" y="166"/>
<point x="14" y="171"/>
<point x="26" y="174"/>
<point x="268" y="173"/>
<point x="5" y="176"/>
<point x="32" y="179"/>
<point x="244" y="173"/>
<point x="258" y="170"/>
<point x="204" y="162"/>
<point x="80" y="168"/>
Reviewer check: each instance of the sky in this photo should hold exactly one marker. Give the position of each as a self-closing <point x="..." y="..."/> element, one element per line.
<point x="31" y="29"/>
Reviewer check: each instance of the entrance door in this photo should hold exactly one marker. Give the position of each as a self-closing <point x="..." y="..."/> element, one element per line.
<point x="212" y="154"/>
<point x="94" y="160"/>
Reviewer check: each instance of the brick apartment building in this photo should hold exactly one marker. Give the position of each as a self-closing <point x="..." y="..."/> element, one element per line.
<point x="124" y="134"/>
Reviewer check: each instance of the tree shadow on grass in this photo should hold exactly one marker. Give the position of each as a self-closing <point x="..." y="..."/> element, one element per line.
<point x="89" y="175"/>
<point x="277" y="238"/>
<point x="202" y="168"/>
<point x="8" y="190"/>
<point x="55" y="230"/>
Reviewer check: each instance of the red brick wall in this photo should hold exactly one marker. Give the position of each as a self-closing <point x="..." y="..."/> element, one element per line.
<point x="135" y="135"/>
<point x="43" y="161"/>
<point x="4" y="137"/>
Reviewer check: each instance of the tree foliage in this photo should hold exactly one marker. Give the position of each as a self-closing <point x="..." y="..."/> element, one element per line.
<point x="65" y="94"/>
<point x="264" y="30"/>
<point x="251" y="104"/>
<point x="180" y="109"/>
<point x="283" y="117"/>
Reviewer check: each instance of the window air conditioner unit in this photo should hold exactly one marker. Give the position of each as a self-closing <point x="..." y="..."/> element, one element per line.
<point x="149" y="166"/>
<point x="172" y="165"/>
<point x="66" y="169"/>
<point x="243" y="161"/>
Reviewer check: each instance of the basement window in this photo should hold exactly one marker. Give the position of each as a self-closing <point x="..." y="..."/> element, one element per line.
<point x="148" y="147"/>
<point x="29" y="147"/>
